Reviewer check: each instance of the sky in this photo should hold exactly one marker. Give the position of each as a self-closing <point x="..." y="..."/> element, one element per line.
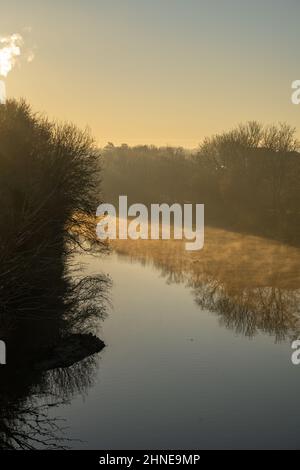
<point x="162" y="72"/>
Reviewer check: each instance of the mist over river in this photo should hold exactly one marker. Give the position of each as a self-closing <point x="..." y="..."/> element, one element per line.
<point x="198" y="348"/>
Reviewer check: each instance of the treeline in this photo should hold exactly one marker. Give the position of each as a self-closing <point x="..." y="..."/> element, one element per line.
<point x="248" y="178"/>
<point x="49" y="191"/>
<point x="49" y="178"/>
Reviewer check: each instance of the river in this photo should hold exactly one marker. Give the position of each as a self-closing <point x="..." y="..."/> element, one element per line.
<point x="198" y="349"/>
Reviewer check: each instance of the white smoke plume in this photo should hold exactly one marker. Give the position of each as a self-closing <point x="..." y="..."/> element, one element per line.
<point x="10" y="50"/>
<point x="2" y="92"/>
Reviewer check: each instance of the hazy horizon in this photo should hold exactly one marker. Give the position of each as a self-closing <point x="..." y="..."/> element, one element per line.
<point x="160" y="72"/>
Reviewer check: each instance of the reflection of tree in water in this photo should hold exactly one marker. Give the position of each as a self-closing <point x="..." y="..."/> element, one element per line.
<point x="268" y="309"/>
<point x="26" y="421"/>
<point x="26" y="426"/>
<point x="29" y="389"/>
<point x="251" y="283"/>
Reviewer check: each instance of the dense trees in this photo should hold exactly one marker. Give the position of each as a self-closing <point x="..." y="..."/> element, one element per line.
<point x="48" y="172"/>
<point x="49" y="179"/>
<point x="248" y="178"/>
<point x="49" y="191"/>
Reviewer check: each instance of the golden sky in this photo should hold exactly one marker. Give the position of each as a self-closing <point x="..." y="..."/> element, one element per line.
<point x="159" y="71"/>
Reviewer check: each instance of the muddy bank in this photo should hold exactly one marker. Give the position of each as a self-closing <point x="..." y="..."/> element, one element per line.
<point x="68" y="351"/>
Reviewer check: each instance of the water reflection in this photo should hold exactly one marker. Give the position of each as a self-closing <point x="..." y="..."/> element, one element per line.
<point x="27" y="399"/>
<point x="40" y="331"/>
<point x="251" y="283"/>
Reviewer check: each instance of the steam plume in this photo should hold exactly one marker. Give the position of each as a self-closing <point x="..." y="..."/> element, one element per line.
<point x="10" y="50"/>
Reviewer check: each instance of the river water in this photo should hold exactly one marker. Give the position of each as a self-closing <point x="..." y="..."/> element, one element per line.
<point x="198" y="349"/>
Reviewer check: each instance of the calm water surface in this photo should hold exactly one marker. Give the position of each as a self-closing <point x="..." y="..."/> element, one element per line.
<point x="177" y="374"/>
